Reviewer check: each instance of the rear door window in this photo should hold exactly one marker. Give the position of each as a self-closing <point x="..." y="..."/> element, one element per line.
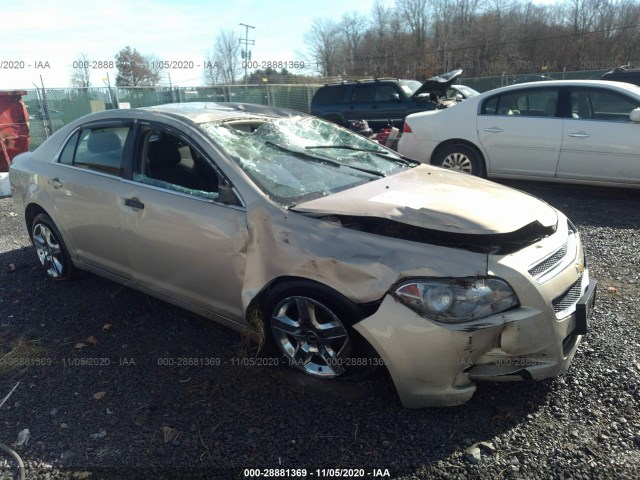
<point x="362" y="93"/>
<point x="96" y="148"/>
<point x="540" y="102"/>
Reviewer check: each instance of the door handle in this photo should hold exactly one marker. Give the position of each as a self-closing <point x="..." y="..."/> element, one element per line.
<point x="133" y="203"/>
<point x="55" y="182"/>
<point x="493" y="129"/>
<point x="578" y="135"/>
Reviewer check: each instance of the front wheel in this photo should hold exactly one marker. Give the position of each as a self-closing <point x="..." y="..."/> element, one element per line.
<point x="460" y="158"/>
<point x="50" y="248"/>
<point x="311" y="326"/>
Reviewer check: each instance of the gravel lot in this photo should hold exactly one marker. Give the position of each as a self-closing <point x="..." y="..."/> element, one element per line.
<point x="135" y="409"/>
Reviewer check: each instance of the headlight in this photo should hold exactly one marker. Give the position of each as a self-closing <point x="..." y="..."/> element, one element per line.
<point x="456" y="300"/>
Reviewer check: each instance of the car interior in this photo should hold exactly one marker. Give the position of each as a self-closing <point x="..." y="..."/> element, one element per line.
<point x="169" y="162"/>
<point x="101" y="150"/>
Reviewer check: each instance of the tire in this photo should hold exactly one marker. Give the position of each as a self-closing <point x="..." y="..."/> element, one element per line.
<point x="460" y="158"/>
<point x="322" y="343"/>
<point x="50" y="248"/>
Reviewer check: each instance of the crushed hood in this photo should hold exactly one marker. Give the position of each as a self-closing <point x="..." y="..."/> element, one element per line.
<point x="439" y="200"/>
<point x="438" y="83"/>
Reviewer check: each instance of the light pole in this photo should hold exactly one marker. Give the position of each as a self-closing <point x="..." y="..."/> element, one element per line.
<point x="245" y="53"/>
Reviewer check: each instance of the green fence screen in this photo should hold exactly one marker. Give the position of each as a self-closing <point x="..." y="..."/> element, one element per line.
<point x="66" y="104"/>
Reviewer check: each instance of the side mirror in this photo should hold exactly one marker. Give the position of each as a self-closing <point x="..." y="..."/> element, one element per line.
<point x="634" y="116"/>
<point x="458" y="97"/>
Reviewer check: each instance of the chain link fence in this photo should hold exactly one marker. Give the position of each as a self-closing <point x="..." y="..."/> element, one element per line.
<point x="51" y="108"/>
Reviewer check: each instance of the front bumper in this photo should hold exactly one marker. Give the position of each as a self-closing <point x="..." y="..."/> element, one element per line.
<point x="436" y="365"/>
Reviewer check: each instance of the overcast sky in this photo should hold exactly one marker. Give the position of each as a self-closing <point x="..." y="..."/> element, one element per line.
<point x="41" y="37"/>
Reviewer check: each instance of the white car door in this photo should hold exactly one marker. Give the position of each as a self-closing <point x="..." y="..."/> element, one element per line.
<point x="600" y="143"/>
<point x="521" y="133"/>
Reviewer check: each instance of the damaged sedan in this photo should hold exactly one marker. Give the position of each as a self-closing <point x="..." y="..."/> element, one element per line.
<point x="334" y="252"/>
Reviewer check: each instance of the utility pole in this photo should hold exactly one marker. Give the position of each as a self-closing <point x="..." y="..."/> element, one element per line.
<point x="246" y="54"/>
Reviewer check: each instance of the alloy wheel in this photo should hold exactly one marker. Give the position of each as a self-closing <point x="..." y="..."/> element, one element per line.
<point x="48" y="250"/>
<point x="458" y="162"/>
<point x="310" y="335"/>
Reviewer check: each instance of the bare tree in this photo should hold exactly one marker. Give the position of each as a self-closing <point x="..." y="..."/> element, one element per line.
<point x="416" y="14"/>
<point x="351" y="29"/>
<point x="81" y="72"/>
<point x="444" y="34"/>
<point x="227" y="55"/>
<point x="212" y="71"/>
<point x="628" y="39"/>
<point x="388" y="39"/>
<point x="156" y="70"/>
<point x="418" y="38"/>
<point x="322" y="41"/>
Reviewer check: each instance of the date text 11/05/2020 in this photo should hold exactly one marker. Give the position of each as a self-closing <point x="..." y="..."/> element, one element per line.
<point x="316" y="473"/>
<point x="260" y="362"/>
<point x="233" y="361"/>
<point x="181" y="64"/>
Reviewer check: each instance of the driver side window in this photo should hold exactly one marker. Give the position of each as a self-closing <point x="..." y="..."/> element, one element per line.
<point x="600" y="104"/>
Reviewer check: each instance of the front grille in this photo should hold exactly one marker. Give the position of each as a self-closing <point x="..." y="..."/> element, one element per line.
<point x="549" y="262"/>
<point x="569" y="298"/>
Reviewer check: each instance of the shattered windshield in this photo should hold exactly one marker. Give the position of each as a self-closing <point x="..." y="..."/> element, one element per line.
<point x="300" y="158"/>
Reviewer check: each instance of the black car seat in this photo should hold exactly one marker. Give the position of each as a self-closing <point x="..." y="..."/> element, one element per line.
<point x="164" y="163"/>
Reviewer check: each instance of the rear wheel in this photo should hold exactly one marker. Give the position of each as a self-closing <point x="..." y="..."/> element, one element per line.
<point x="50" y="248"/>
<point x="311" y="326"/>
<point x="460" y="158"/>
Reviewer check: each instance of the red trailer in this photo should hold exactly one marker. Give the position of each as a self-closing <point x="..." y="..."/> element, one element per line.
<point x="14" y="127"/>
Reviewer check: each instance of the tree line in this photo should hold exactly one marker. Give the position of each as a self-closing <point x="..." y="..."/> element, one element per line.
<point x="422" y="38"/>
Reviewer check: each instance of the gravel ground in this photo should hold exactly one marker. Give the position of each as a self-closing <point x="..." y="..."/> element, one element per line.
<point x="134" y="409"/>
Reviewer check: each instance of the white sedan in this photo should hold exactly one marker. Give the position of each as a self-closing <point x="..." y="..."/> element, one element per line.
<point x="581" y="131"/>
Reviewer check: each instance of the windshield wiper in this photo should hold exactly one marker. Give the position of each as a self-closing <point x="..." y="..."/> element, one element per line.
<point x="323" y="160"/>
<point x="348" y="147"/>
<point x="399" y="159"/>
